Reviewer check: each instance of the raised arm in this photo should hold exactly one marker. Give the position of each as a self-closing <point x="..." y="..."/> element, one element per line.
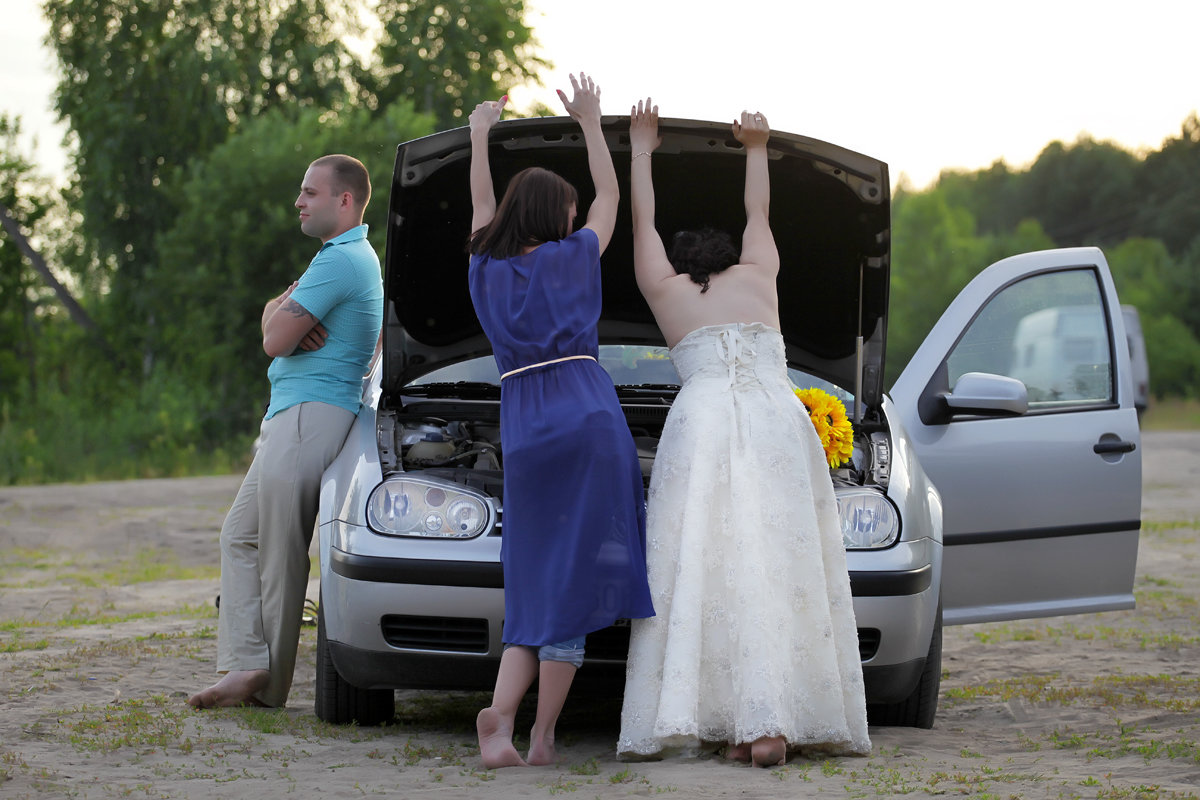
<point x="584" y="108"/>
<point x="758" y="244"/>
<point x="483" y="195"/>
<point x="650" y="264"/>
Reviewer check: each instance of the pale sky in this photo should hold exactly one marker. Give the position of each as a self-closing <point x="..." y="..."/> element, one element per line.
<point x="923" y="85"/>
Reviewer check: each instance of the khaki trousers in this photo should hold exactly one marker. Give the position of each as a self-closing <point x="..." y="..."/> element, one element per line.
<point x="265" y="541"/>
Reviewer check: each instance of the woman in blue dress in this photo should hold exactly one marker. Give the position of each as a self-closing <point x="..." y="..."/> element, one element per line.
<point x="574" y="548"/>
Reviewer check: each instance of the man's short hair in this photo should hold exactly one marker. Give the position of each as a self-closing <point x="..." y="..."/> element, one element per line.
<point x="349" y="175"/>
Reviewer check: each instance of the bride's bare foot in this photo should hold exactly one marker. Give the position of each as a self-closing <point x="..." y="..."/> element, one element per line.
<point x="237" y="688"/>
<point x="768" y="751"/>
<point x="495" y="741"/>
<point x="739" y="752"/>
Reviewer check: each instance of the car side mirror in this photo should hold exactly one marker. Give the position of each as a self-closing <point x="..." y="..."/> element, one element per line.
<point x="975" y="393"/>
<point x="987" y="394"/>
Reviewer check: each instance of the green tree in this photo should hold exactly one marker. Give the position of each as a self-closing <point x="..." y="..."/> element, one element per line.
<point x="24" y="297"/>
<point x="1168" y="188"/>
<point x="1083" y="194"/>
<point x="1173" y="353"/>
<point x="147" y="85"/>
<point x="444" y="56"/>
<point x="991" y="195"/>
<point x="935" y="252"/>
<point x="1142" y="270"/>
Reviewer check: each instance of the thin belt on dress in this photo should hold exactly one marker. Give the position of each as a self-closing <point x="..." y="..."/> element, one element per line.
<point x="512" y="372"/>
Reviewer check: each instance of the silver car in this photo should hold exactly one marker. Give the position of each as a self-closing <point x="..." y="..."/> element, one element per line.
<point x="974" y="494"/>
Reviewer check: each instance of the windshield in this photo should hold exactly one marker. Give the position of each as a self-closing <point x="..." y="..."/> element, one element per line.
<point x="627" y="365"/>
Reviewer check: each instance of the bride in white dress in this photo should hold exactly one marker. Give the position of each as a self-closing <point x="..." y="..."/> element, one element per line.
<point x="754" y="644"/>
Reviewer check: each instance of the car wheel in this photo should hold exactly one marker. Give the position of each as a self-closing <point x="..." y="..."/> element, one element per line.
<point x="919" y="708"/>
<point x="340" y="702"/>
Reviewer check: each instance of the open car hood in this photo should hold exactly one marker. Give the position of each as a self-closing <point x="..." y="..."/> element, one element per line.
<point x="830" y="214"/>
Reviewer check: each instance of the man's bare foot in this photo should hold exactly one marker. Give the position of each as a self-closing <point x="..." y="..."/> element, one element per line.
<point x="541" y="751"/>
<point x="768" y="751"/>
<point x="237" y="688"/>
<point x="739" y="752"/>
<point x="495" y="741"/>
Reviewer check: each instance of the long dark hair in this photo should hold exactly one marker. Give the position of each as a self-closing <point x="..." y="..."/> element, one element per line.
<point x="533" y="211"/>
<point x="702" y="253"/>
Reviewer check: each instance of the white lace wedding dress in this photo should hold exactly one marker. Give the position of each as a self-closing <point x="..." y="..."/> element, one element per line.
<point x="754" y="631"/>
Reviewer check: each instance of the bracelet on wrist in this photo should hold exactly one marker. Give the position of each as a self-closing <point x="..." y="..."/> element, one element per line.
<point x="639" y="155"/>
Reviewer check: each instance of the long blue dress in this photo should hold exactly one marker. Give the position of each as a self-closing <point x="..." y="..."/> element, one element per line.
<point x="574" y="548"/>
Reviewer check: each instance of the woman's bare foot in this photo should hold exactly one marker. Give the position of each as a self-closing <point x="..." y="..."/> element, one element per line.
<point x="768" y="751"/>
<point x="541" y="750"/>
<point x="237" y="688"/>
<point x="739" y="752"/>
<point x="495" y="741"/>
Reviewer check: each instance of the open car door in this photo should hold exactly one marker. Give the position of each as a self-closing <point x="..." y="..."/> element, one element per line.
<point x="1020" y="407"/>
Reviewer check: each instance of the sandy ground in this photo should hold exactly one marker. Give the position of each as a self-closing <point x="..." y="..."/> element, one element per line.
<point x="106" y="623"/>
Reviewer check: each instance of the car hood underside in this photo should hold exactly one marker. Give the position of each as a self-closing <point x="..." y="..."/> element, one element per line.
<point x="829" y="214"/>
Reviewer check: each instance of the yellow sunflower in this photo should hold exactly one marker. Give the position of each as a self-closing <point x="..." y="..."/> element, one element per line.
<point x="828" y="415"/>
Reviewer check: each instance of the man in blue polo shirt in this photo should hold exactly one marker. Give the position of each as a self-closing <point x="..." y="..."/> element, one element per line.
<point x="321" y="333"/>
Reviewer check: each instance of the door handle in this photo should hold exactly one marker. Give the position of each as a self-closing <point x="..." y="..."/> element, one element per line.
<point x="1117" y="446"/>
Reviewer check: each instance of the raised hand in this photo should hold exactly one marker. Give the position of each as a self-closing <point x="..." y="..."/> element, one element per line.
<point x="643" y="128"/>
<point x="585" y="104"/>
<point x="487" y="114"/>
<point x="752" y="129"/>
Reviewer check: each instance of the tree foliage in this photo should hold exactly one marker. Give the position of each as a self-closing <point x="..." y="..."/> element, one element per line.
<point x="189" y="128"/>
<point x="24" y="299"/>
<point x="146" y="86"/>
<point x="446" y="55"/>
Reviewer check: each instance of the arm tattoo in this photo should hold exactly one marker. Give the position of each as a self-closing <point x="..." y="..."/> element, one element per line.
<point x="295" y="309"/>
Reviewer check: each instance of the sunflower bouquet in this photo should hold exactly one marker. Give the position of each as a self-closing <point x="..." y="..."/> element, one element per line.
<point x="828" y="415"/>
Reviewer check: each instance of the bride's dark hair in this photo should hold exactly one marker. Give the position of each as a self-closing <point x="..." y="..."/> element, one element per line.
<point x="702" y="253"/>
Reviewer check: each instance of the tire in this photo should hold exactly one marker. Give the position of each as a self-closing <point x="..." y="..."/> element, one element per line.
<point x="340" y="702"/>
<point x="920" y="707"/>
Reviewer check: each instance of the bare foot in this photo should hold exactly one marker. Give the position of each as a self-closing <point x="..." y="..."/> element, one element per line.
<point x="739" y="752"/>
<point x="495" y="741"/>
<point x="237" y="688"/>
<point x="768" y="751"/>
<point x="541" y="751"/>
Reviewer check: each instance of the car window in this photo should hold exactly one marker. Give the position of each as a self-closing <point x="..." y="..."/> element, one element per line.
<point x="628" y="365"/>
<point x="1048" y="331"/>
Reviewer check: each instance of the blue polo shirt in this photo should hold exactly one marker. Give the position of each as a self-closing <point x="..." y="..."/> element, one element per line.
<point x="343" y="289"/>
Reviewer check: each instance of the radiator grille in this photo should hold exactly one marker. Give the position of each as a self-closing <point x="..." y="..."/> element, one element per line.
<point x="447" y="634"/>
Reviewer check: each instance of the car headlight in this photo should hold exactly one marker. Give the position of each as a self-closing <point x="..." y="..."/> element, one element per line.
<point x="869" y="520"/>
<point x="408" y="506"/>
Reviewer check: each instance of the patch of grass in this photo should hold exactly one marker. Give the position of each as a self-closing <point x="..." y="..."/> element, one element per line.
<point x="1169" y="525"/>
<point x="1164" y="692"/>
<point x="589" y="767"/>
<point x="150" y="725"/>
<point x="1147" y="743"/>
<point x="19" y="644"/>
<point x="413" y="753"/>
<point x="627" y="776"/>
<point x="1133" y="635"/>
<point x="1172" y="414"/>
<point x="79" y="616"/>
<point x="25" y="558"/>
<point x="144" y="566"/>
<point x="58" y="567"/>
